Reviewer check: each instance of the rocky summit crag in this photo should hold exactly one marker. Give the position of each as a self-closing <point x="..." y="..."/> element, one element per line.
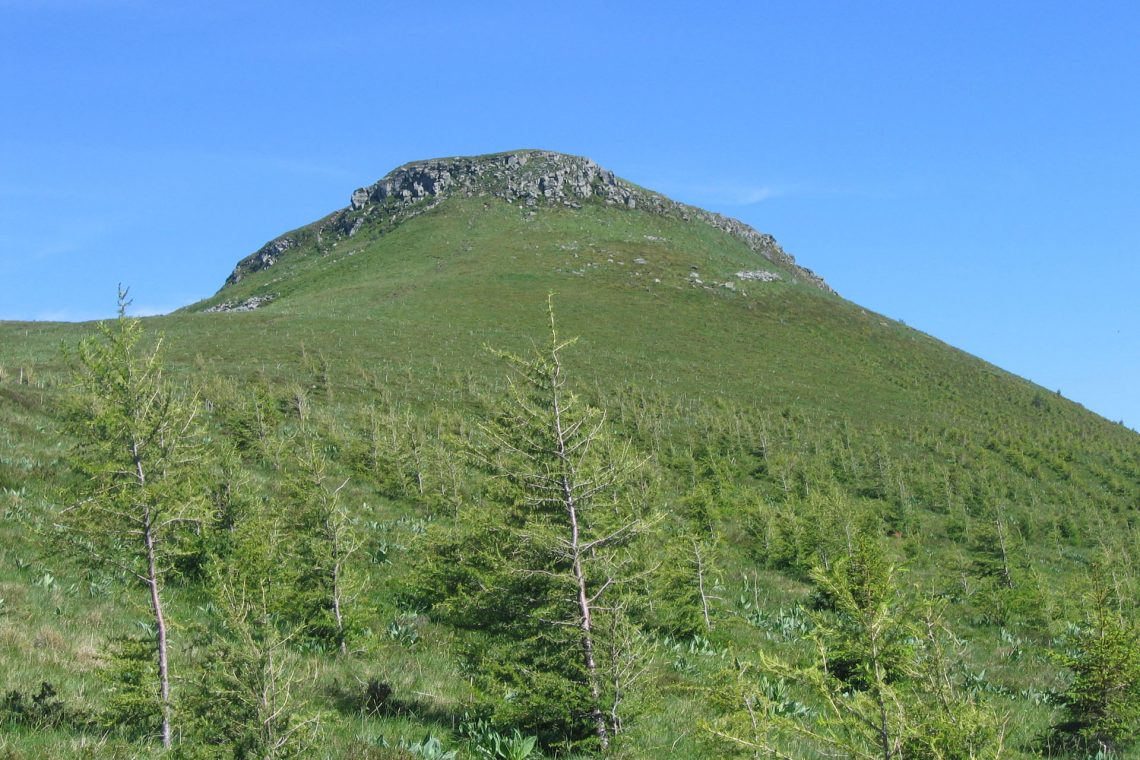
<point x="530" y="178"/>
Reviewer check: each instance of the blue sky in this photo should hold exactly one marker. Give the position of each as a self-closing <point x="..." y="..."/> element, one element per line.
<point x="972" y="168"/>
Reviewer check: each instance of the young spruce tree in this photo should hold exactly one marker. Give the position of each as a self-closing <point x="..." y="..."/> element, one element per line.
<point x="1102" y="702"/>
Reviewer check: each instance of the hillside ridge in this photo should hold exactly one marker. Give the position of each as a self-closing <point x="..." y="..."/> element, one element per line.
<point x="531" y="178"/>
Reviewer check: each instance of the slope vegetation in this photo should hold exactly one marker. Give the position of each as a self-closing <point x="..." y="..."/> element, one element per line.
<point x="772" y="414"/>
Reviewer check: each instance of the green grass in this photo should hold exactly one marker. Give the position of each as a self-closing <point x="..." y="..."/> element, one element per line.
<point x="766" y="395"/>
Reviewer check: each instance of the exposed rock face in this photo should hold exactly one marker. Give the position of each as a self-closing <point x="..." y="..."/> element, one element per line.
<point x="266" y="256"/>
<point x="249" y="304"/>
<point x="530" y="178"/>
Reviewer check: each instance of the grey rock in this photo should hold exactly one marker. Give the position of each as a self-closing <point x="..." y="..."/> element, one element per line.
<point x="248" y="304"/>
<point x="759" y="275"/>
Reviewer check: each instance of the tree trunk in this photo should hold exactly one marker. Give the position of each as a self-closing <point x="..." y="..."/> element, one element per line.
<point x="584" y="622"/>
<point x="701" y="584"/>
<point x="152" y="583"/>
<point x="336" y="607"/>
<point x="588" y="643"/>
<point x="160" y="626"/>
<point x="880" y="698"/>
<point x="1006" y="573"/>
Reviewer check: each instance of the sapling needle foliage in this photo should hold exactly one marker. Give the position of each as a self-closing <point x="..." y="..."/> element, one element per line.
<point x="138" y="453"/>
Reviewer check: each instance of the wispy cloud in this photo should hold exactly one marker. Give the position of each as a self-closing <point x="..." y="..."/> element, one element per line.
<point x="739" y="194"/>
<point x="276" y="164"/>
<point x="52" y="250"/>
<point x="723" y="194"/>
<point x="38" y="192"/>
<point x="743" y="196"/>
<point x="81" y="315"/>
<point x="60" y="315"/>
<point x="67" y="5"/>
<point x="149" y="310"/>
<point x="173" y="302"/>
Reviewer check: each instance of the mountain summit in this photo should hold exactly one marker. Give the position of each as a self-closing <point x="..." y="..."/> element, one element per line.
<point x="526" y="178"/>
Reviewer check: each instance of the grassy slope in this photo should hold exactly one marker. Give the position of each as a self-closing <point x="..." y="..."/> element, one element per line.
<point x="407" y="314"/>
<point x="441" y="288"/>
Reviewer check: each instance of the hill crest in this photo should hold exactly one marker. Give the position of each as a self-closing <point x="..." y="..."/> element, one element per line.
<point x="530" y="178"/>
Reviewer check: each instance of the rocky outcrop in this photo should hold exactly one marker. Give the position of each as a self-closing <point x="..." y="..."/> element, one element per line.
<point x="759" y="275"/>
<point x="530" y="178"/>
<point x="248" y="304"/>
